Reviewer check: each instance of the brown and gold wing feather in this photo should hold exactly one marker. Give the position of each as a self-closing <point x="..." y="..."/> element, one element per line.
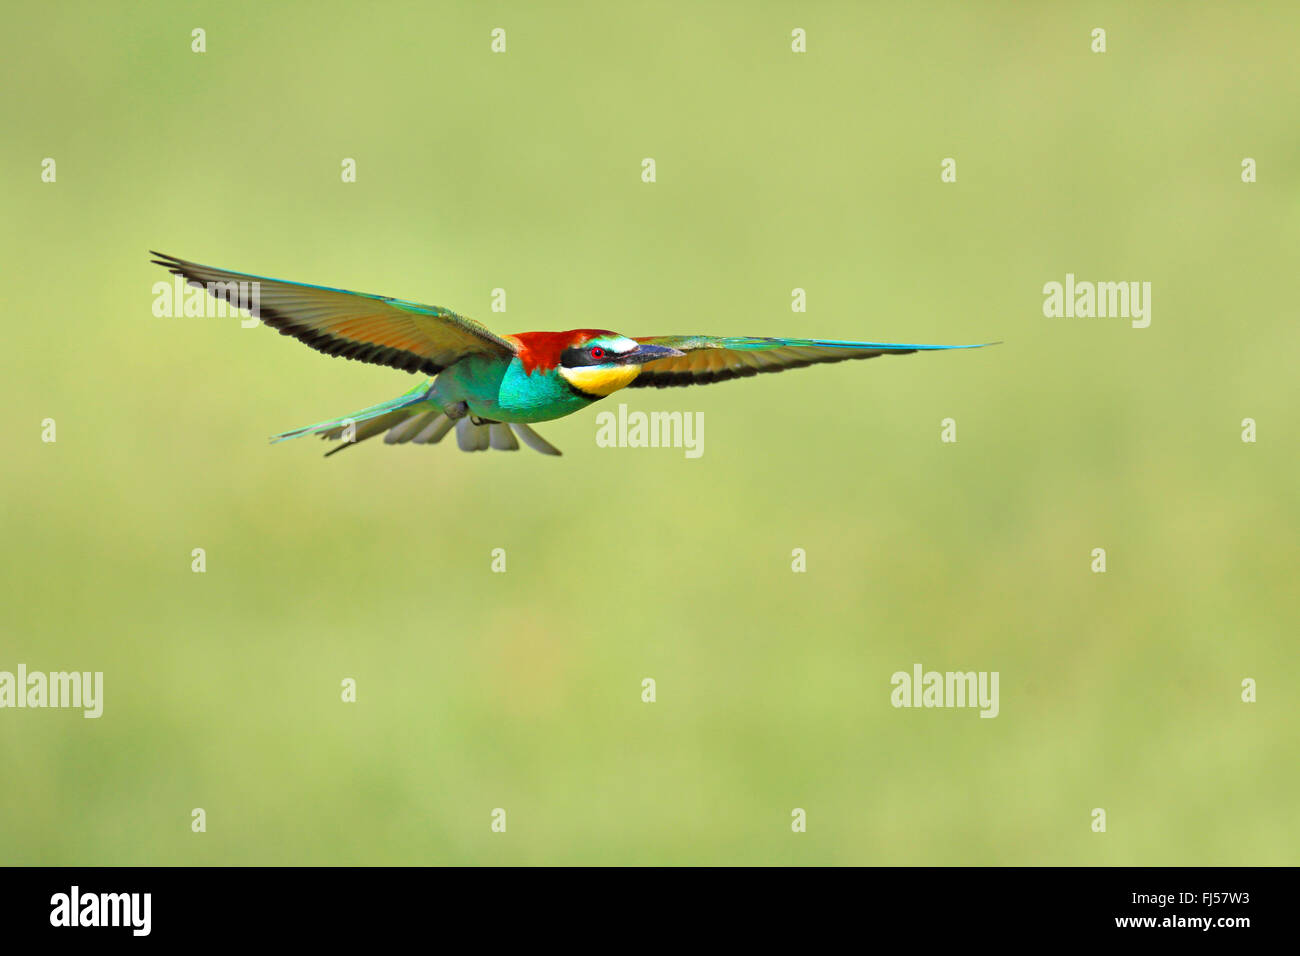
<point x="354" y="325"/>
<point x="711" y="358"/>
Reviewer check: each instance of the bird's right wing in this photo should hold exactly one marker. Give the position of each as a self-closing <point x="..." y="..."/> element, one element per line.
<point x="354" y="325"/>
<point x="711" y="358"/>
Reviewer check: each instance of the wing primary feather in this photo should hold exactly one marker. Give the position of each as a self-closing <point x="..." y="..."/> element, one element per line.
<point x="709" y="359"/>
<point x="360" y="326"/>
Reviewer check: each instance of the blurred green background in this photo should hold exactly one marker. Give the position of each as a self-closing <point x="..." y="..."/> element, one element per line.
<point x="523" y="690"/>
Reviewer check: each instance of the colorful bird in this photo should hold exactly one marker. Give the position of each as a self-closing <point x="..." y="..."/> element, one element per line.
<point x="491" y="387"/>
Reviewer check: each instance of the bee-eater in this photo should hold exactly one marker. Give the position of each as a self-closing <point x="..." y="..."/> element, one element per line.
<point x="493" y="387"/>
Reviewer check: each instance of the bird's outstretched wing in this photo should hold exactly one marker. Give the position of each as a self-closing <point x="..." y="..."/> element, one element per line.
<point x="354" y="325"/>
<point x="712" y="358"/>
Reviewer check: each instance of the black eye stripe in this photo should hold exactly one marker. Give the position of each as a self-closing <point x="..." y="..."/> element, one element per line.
<point x="581" y="355"/>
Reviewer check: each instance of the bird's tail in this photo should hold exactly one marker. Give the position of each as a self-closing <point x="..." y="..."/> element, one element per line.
<point x="410" y="418"/>
<point x="498" y="435"/>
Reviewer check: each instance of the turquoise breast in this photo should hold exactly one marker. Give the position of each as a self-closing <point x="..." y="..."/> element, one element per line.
<point x="506" y="393"/>
<point x="538" y="397"/>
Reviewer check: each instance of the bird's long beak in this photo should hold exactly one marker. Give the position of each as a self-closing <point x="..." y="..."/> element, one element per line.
<point x="648" y="353"/>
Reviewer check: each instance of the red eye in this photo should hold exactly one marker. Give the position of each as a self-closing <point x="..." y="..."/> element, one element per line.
<point x="597" y="352"/>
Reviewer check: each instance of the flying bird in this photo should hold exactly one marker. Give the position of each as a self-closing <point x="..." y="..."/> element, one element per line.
<point x="491" y="388"/>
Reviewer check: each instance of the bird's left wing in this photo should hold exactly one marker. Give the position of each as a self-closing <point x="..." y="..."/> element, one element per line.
<point x="711" y="358"/>
<point x="354" y="325"/>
